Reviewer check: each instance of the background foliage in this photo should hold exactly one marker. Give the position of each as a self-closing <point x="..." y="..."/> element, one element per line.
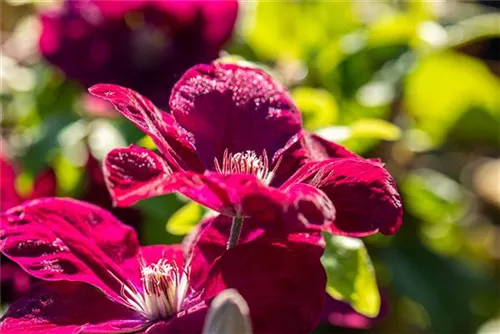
<point x="415" y="83"/>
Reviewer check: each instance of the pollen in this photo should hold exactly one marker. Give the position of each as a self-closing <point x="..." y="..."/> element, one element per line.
<point x="164" y="287"/>
<point x="247" y="162"/>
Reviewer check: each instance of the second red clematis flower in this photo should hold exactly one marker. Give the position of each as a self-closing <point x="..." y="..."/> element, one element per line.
<point x="142" y="44"/>
<point x="234" y="143"/>
<point x="97" y="279"/>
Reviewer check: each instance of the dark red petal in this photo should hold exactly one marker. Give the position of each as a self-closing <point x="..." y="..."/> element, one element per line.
<point x="313" y="207"/>
<point x="320" y="148"/>
<point x="69" y="307"/>
<point x="186" y="322"/>
<point x="283" y="284"/>
<point x="309" y="147"/>
<point x="245" y="195"/>
<point x="209" y="242"/>
<point x="45" y="184"/>
<point x="64" y="239"/>
<point x="364" y="194"/>
<point x="226" y="106"/>
<point x="135" y="173"/>
<point x="170" y="139"/>
<point x="8" y="193"/>
<point x="148" y="255"/>
<point x="171" y="253"/>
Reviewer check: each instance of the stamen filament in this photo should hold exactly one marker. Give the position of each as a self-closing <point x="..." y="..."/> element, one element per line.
<point x="246" y="162"/>
<point x="164" y="288"/>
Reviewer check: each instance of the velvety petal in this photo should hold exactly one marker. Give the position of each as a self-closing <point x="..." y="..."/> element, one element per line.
<point x="134" y="173"/>
<point x="309" y="147"/>
<point x="209" y="241"/>
<point x="319" y="148"/>
<point x="171" y="253"/>
<point x="170" y="139"/>
<point x="226" y="106"/>
<point x="8" y="193"/>
<point x="148" y="255"/>
<point x="283" y="284"/>
<point x="186" y="322"/>
<point x="45" y="184"/>
<point x="245" y="195"/>
<point x="364" y="194"/>
<point x="301" y="207"/>
<point x="211" y="190"/>
<point x="65" y="239"/>
<point x="69" y="307"/>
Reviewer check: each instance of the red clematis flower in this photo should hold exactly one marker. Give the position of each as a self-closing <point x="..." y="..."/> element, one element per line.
<point x="143" y="44"/>
<point x="235" y="144"/>
<point x="99" y="280"/>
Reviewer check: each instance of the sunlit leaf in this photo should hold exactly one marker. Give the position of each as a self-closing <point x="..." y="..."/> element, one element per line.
<point x="440" y="203"/>
<point x="350" y="274"/>
<point x="68" y="175"/>
<point x="433" y="197"/>
<point x="147" y="142"/>
<point x="445" y="85"/>
<point x="318" y="107"/>
<point x="185" y="219"/>
<point x="290" y="30"/>
<point x="363" y="128"/>
<point x="394" y="29"/>
<point x="376" y="129"/>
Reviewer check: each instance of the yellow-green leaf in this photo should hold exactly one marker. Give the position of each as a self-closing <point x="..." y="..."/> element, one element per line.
<point x="318" y="106"/>
<point x="375" y="129"/>
<point x="185" y="219"/>
<point x="369" y="128"/>
<point x="147" y="142"/>
<point x="350" y="274"/>
<point x="67" y="174"/>
<point x="445" y="85"/>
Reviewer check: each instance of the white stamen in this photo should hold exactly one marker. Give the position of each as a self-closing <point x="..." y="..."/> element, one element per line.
<point x="164" y="288"/>
<point x="247" y="162"/>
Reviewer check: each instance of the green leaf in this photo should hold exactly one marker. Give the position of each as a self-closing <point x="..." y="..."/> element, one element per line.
<point x="445" y="85"/>
<point x="364" y="128"/>
<point x="318" y="106"/>
<point x="376" y="129"/>
<point x="185" y="219"/>
<point x="147" y="142"/>
<point x="68" y="175"/>
<point x="350" y="274"/>
<point x="306" y="27"/>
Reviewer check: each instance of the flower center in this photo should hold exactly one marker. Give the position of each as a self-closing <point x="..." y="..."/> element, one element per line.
<point x="164" y="288"/>
<point x="247" y="162"/>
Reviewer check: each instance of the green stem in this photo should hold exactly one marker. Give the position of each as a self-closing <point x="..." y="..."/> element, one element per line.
<point x="235" y="232"/>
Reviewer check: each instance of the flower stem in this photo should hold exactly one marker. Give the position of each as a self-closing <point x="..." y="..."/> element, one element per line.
<point x="235" y="232"/>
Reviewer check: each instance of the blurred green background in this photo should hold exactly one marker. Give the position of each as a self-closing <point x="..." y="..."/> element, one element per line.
<point x="415" y="83"/>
